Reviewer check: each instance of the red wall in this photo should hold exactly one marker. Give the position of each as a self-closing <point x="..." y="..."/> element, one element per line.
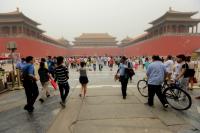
<point x="26" y="46"/>
<point x="165" y="45"/>
<point x="96" y="51"/>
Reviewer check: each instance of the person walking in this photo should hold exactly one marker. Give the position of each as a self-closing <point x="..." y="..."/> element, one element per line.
<point x="156" y="73"/>
<point x="94" y="63"/>
<point x="100" y="63"/>
<point x="169" y="67"/>
<point x="184" y="73"/>
<point x="192" y="78"/>
<point x="29" y="83"/>
<point x="44" y="79"/>
<point x="111" y="62"/>
<point x="51" y="65"/>
<point x="146" y="64"/>
<point x="83" y="79"/>
<point x="130" y="69"/>
<point x="62" y="76"/>
<point x="124" y="76"/>
<point x="21" y="64"/>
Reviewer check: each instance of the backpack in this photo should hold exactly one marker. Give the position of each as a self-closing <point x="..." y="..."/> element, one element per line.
<point x="130" y="70"/>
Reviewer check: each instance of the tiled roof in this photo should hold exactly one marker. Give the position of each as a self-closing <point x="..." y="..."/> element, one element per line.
<point x="20" y="14"/>
<point x="95" y="35"/>
<point x="173" y="12"/>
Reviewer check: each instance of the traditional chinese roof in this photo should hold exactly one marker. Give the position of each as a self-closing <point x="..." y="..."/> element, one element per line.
<point x="95" y="36"/>
<point x="95" y="39"/>
<point x="175" y="15"/>
<point x="17" y="16"/>
<point x="64" y="41"/>
<point x="127" y="39"/>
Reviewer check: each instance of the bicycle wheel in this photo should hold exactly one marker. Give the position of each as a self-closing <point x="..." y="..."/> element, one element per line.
<point x="177" y="98"/>
<point x="143" y="88"/>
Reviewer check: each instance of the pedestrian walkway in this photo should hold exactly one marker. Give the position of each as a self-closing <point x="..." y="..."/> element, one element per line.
<point x="102" y="111"/>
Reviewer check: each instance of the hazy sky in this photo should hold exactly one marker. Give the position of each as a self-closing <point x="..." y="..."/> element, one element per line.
<point x="120" y="18"/>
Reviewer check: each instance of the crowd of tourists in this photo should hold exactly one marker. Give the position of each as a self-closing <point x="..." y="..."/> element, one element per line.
<point x="56" y="69"/>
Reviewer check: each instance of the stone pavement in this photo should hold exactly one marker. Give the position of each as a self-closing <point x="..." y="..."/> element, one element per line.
<point x="102" y="111"/>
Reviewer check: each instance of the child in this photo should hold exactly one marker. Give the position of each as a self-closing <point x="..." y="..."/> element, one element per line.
<point x="83" y="79"/>
<point x="62" y="76"/>
<point x="44" y="79"/>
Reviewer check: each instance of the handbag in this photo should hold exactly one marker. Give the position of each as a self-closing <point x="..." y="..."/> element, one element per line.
<point x="117" y="77"/>
<point x="53" y="83"/>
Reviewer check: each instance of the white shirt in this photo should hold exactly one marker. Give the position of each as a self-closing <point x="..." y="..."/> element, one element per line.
<point x="177" y="70"/>
<point x="143" y="60"/>
<point x="169" y="66"/>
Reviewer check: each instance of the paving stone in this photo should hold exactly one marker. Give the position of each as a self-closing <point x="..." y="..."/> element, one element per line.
<point x="113" y="111"/>
<point x="98" y="100"/>
<point x="136" y="125"/>
<point x="66" y="117"/>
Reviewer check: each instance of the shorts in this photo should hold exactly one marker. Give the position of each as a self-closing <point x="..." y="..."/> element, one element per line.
<point x="83" y="80"/>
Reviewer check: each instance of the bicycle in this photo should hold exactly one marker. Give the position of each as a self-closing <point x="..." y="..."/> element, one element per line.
<point x="142" y="86"/>
<point x="176" y="97"/>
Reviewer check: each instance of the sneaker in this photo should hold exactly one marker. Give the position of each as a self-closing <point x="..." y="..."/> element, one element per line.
<point x="48" y="95"/>
<point x="80" y="95"/>
<point x="41" y="100"/>
<point x="197" y="97"/>
<point x="190" y="89"/>
<point x="165" y="105"/>
<point x="62" y="104"/>
<point x="30" y="110"/>
<point x="26" y="107"/>
<point x="124" y="97"/>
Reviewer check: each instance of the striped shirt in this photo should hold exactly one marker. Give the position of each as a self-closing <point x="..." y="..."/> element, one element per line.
<point x="62" y="74"/>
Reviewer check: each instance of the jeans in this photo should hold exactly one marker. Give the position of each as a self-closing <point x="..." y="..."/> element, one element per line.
<point x="155" y="89"/>
<point x="31" y="90"/>
<point x="64" y="91"/>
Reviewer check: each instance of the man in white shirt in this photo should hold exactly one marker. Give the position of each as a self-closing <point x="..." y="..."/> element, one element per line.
<point x="169" y="66"/>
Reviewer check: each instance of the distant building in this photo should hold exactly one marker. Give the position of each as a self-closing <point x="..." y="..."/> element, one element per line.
<point x="95" y="44"/>
<point x="95" y="40"/>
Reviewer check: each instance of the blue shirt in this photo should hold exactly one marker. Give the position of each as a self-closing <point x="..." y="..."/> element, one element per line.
<point x="50" y="65"/>
<point x="156" y="73"/>
<point x="29" y="68"/>
<point x="122" y="69"/>
<point x="20" y="65"/>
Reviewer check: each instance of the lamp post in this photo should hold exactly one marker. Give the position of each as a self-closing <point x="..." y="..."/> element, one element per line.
<point x="11" y="46"/>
